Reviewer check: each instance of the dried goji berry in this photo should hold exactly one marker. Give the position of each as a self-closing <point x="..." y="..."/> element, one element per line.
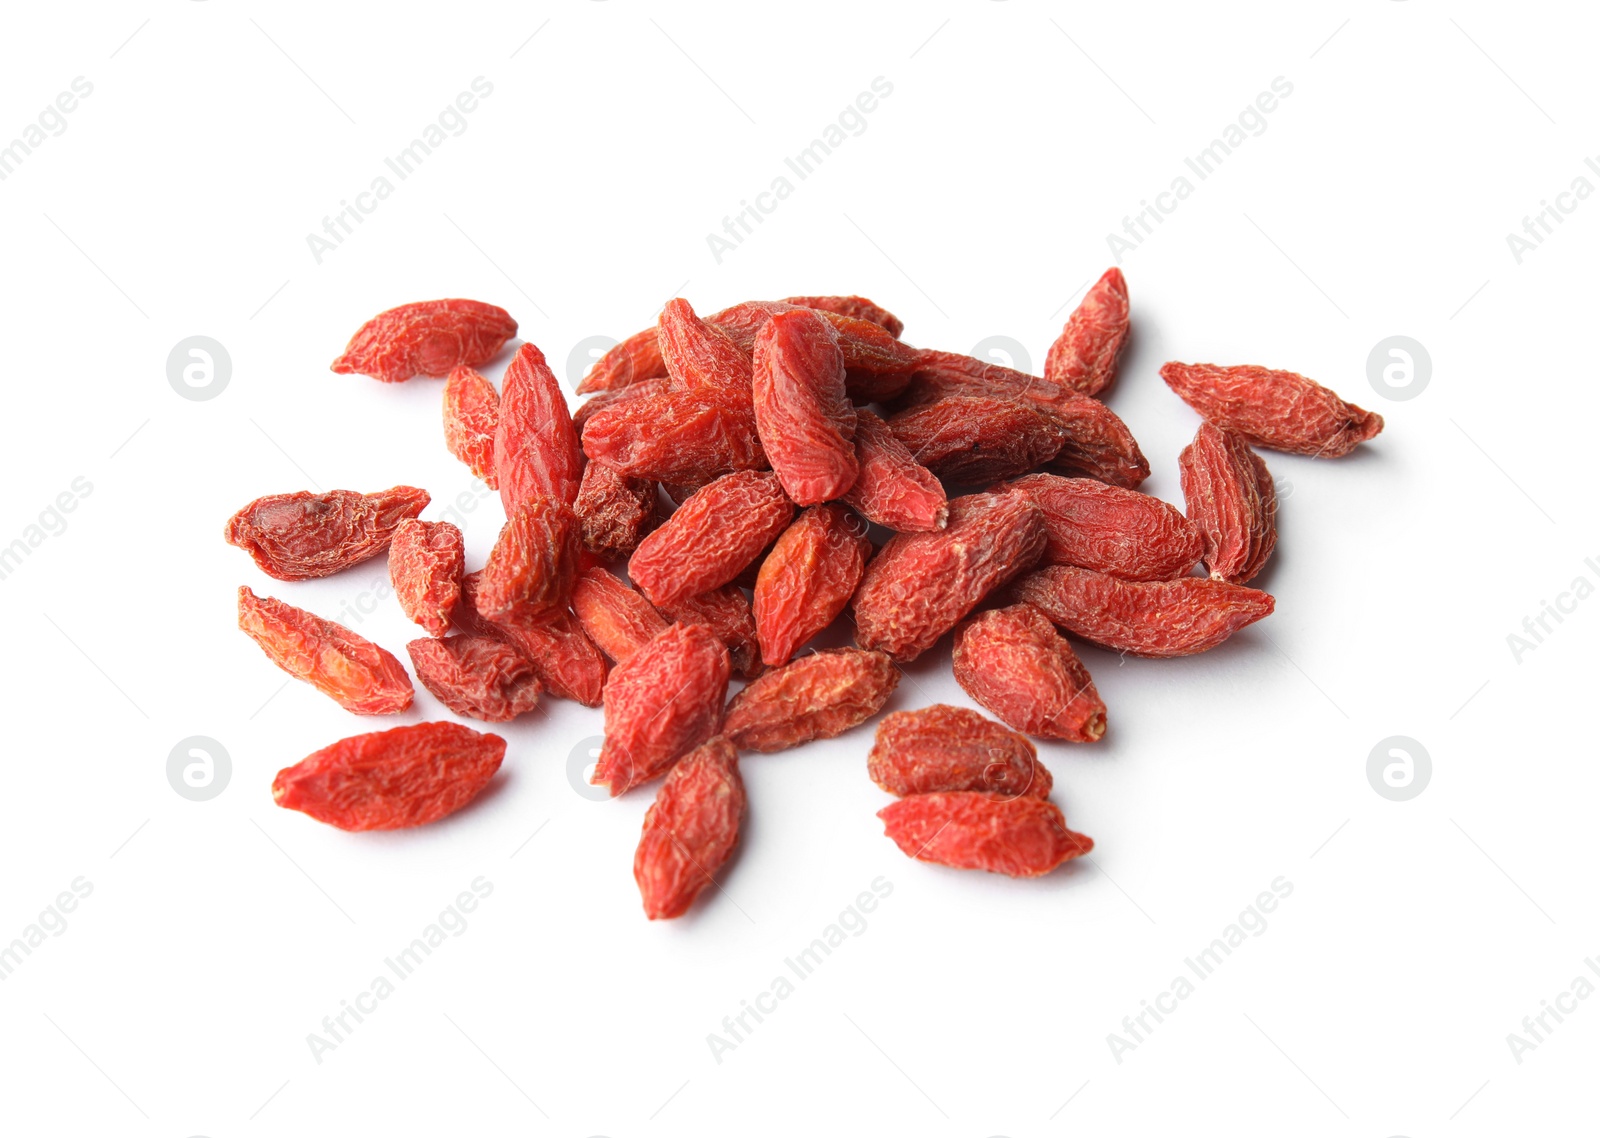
<point x="471" y="414"/>
<point x="698" y="354"/>
<point x="597" y="403"/>
<point x="428" y="337"/>
<point x="940" y="748"/>
<point x="1279" y="410"/>
<point x="388" y="780"/>
<point x="536" y="450"/>
<point x="808" y="578"/>
<point x="426" y="561"/>
<point x="615" y="616"/>
<point x="726" y="612"/>
<point x="295" y="537"/>
<point x="476" y="676"/>
<point x="614" y="511"/>
<point x="920" y="585"/>
<point x="1143" y="618"/>
<point x="969" y="439"/>
<point x="1018" y="836"/>
<point x="565" y="659"/>
<point x="1232" y="502"/>
<point x="711" y="537"/>
<point x="690" y="829"/>
<point x="877" y="365"/>
<point x="354" y="672"/>
<point x="818" y="696"/>
<point x="1015" y="663"/>
<point x="893" y="489"/>
<point x="660" y="705"/>
<point x="1111" y="530"/>
<point x="1084" y="356"/>
<point x="855" y="307"/>
<point x="634" y="360"/>
<point x="676" y="436"/>
<point x="803" y="416"/>
<point x="533" y="562"/>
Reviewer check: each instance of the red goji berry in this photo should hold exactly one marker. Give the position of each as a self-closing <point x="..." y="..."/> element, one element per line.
<point x="428" y="337"/>
<point x="817" y="696"/>
<point x="803" y="416"/>
<point x="476" y="676"/>
<point x="536" y="449"/>
<point x="700" y="355"/>
<point x="614" y="511"/>
<point x="295" y="537"/>
<point x="893" y="489"/>
<point x="565" y="659"/>
<point x="426" y="561"/>
<point x="690" y="829"/>
<point x="1279" y="410"/>
<point x="1232" y="502"/>
<point x="676" y="436"/>
<point x="855" y="307"/>
<point x="1014" y="662"/>
<point x="727" y="614"/>
<point x="471" y="414"/>
<point x="808" y="578"/>
<point x="1084" y="356"/>
<point x="634" y="360"/>
<point x="711" y="538"/>
<point x="942" y="748"/>
<point x="970" y="439"/>
<point x="1094" y="525"/>
<point x="354" y="672"/>
<point x="1018" y="836"/>
<point x="616" y="617"/>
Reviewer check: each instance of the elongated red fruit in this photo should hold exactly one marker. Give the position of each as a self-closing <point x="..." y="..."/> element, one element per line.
<point x="942" y="748"/>
<point x="1106" y="528"/>
<point x="690" y="829"/>
<point x="804" y="417"/>
<point x="1232" y="502"/>
<point x="565" y="659"/>
<point x="634" y="360"/>
<point x="808" y="578"/>
<point x="428" y="337"/>
<point x="389" y="780"/>
<point x="818" y="696"/>
<point x="471" y="415"/>
<point x="877" y="365"/>
<point x="536" y="449"/>
<point x="1018" y="836"/>
<point x="295" y="537"/>
<point x="855" y="307"/>
<point x="893" y="489"/>
<point x="920" y="585"/>
<point x="677" y="437"/>
<point x="1143" y="618"/>
<point x="426" y="561"/>
<point x="971" y="440"/>
<point x="476" y="676"/>
<point x="616" y="616"/>
<point x="711" y="538"/>
<point x="352" y="671"/>
<point x="700" y="355"/>
<point x="1014" y="662"/>
<point x="1279" y="410"/>
<point x="1084" y="356"/>
<point x="533" y="562"/>
<point x="727" y="614"/>
<point x="661" y="704"/>
<point x="614" y="511"/>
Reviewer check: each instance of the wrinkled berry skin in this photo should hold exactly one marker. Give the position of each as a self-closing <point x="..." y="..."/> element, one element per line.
<point x="426" y="562"/>
<point x="428" y="337"/>
<point x="564" y="658"/>
<point x="616" y="617"/>
<point x="970" y="440"/>
<point x="299" y="536"/>
<point x="942" y="748"/>
<point x="352" y="671"/>
<point x="471" y="416"/>
<point x="678" y="437"/>
<point x="476" y="676"/>
<point x="1232" y="503"/>
<point x="1019" y="836"/>
<point x="1014" y="662"/>
<point x="537" y="453"/>
<point x="854" y="307"/>
<point x="803" y="415"/>
<point x="718" y="531"/>
<point x="920" y="585"/>
<point x="808" y="578"/>
<point x="1278" y="410"/>
<point x="614" y="511"/>
<point x="892" y="488"/>
<point x="727" y="614"/>
<point x="391" y="780"/>
<point x="1109" y="529"/>
<point x="701" y="355"/>
<point x="817" y="696"/>
<point x="635" y="360"/>
<point x="533" y="563"/>
<point x="690" y="829"/>
<point x="1084" y="356"/>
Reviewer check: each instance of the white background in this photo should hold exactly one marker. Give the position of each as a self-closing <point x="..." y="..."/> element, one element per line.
<point x="977" y="203"/>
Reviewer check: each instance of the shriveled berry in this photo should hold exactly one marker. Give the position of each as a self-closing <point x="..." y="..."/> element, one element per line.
<point x="471" y="415"/>
<point x="1143" y="618"/>
<point x="295" y="537"/>
<point x="676" y="436"/>
<point x="426" y="562"/>
<point x="1084" y="356"/>
<point x="565" y="659"/>
<point x="476" y="676"/>
<point x="877" y="365"/>
<point x="598" y="402"/>
<point x="855" y="307"/>
<point x="968" y="439"/>
<point x="920" y="585"/>
<point x="533" y="562"/>
<point x="428" y="337"/>
<point x="711" y="537"/>
<point x="1019" y="837"/>
<point x="808" y="578"/>
<point x="893" y="489"/>
<point x="389" y="780"/>
<point x="700" y="355"/>
<point x="1014" y="662"/>
<point x="614" y="511"/>
<point x="1279" y="410"/>
<point x="661" y="704"/>
<point x="1106" y="528"/>
<point x="818" y="696"/>
<point x="942" y="748"/>
<point x="726" y="612"/>
<point x="1232" y="502"/>
<point x="690" y="829"/>
<point x="616" y="616"/>
<point x="354" y="672"/>
<point x="536" y="449"/>
<point x="804" y="417"/>
<point x="634" y="360"/>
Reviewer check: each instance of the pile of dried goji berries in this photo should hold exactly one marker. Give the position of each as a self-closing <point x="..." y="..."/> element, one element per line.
<point x="742" y="453"/>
